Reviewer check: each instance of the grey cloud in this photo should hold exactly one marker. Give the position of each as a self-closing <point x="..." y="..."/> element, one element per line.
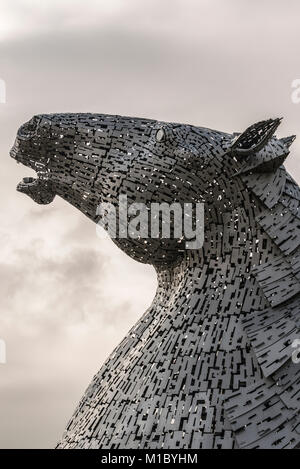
<point x="59" y="326"/>
<point x="57" y="291"/>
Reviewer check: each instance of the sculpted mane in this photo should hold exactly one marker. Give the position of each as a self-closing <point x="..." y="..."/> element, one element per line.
<point x="272" y="331"/>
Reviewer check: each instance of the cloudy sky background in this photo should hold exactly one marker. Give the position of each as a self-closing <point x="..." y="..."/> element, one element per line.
<point x="66" y="297"/>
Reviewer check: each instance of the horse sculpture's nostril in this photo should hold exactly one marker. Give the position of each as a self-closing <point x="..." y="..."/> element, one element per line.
<point x="28" y="129"/>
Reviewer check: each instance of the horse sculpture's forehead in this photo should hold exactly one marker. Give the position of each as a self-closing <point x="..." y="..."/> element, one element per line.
<point x="82" y="117"/>
<point x="141" y="125"/>
<point x="93" y="120"/>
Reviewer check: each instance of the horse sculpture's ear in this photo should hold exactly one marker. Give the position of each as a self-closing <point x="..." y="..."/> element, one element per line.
<point x="254" y="138"/>
<point x="257" y="151"/>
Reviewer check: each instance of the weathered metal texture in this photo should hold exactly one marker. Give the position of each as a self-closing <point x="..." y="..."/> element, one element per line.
<point x="209" y="363"/>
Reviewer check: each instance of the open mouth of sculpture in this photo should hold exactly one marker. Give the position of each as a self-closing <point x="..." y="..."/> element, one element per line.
<point x="39" y="188"/>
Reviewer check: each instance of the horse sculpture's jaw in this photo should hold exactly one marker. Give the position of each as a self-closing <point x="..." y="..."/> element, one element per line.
<point x="209" y="364"/>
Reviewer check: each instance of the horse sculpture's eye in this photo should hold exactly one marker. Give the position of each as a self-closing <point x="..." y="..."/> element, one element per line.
<point x="160" y="135"/>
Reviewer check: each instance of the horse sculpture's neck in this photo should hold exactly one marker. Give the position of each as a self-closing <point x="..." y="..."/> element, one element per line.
<point x="189" y="349"/>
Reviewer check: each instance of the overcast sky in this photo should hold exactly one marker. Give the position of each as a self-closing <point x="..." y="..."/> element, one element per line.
<point x="66" y="297"/>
